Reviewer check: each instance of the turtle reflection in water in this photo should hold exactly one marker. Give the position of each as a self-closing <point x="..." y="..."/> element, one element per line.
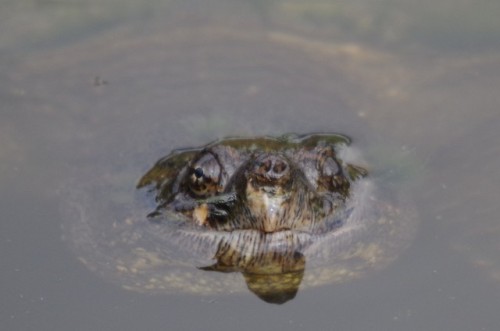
<point x="267" y="207"/>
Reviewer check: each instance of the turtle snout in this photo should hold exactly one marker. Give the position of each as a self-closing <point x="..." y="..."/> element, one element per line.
<point x="271" y="168"/>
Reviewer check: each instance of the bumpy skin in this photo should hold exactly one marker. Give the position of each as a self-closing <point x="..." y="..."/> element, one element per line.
<point x="265" y="184"/>
<point x="284" y="212"/>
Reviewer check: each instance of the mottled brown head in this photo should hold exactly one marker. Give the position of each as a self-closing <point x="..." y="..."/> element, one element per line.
<point x="265" y="184"/>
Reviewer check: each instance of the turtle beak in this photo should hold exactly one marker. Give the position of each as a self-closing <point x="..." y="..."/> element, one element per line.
<point x="268" y="191"/>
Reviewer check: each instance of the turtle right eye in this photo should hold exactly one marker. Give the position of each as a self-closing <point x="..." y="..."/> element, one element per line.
<point x="330" y="168"/>
<point x="331" y="177"/>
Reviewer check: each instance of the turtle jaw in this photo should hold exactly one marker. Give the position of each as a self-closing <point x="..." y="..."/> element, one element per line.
<point x="267" y="205"/>
<point x="280" y="205"/>
<point x="267" y="193"/>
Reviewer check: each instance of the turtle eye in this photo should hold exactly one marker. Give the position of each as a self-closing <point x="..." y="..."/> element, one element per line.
<point x="198" y="172"/>
<point x="204" y="176"/>
<point x="330" y="168"/>
<point x="331" y="177"/>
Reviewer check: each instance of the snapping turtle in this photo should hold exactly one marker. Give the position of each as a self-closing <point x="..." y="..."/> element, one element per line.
<point x="289" y="211"/>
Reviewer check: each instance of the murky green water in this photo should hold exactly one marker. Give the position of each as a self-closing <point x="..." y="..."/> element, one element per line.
<point x="99" y="90"/>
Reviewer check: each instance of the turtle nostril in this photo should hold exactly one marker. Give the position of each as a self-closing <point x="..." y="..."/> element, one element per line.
<point x="271" y="167"/>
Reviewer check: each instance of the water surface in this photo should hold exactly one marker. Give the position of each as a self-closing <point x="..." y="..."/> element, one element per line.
<point x="102" y="89"/>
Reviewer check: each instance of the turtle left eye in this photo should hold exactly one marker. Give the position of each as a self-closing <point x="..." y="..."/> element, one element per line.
<point x="203" y="178"/>
<point x="198" y="172"/>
